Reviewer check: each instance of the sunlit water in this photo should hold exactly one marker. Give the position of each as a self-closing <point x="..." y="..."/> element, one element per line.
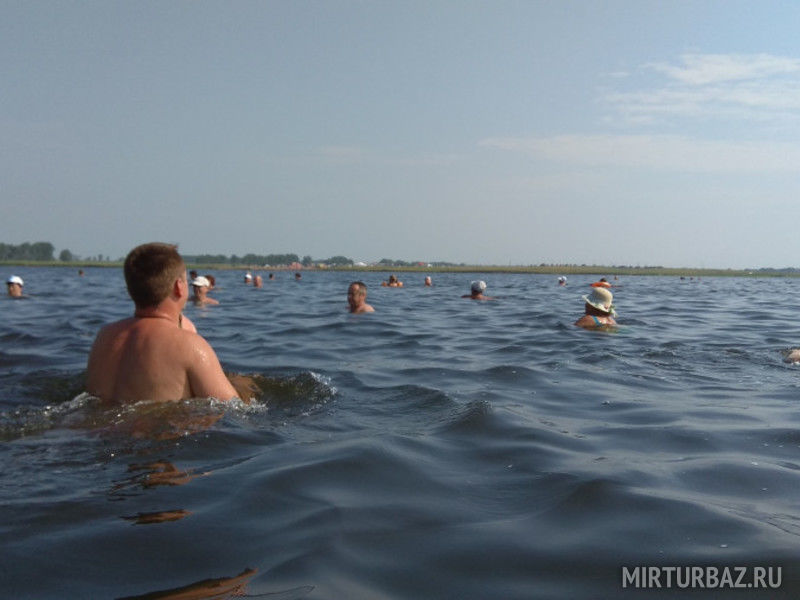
<point x="438" y="448"/>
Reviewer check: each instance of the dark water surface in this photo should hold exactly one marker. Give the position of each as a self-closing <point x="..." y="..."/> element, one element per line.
<point x="439" y="448"/>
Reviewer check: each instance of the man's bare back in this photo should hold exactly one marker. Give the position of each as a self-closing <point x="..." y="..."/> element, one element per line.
<point x="151" y="358"/>
<point x="157" y="354"/>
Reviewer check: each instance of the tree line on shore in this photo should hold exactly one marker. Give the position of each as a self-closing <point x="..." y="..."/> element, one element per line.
<point x="38" y="251"/>
<point x="305" y="261"/>
<point x="264" y="259"/>
<point x="42" y="252"/>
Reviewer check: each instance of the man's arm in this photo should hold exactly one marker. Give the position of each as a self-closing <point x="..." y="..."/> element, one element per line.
<point x="205" y="373"/>
<point x="245" y="386"/>
<point x="94" y="371"/>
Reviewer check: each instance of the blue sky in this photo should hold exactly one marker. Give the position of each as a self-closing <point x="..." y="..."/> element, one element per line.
<point x="497" y="132"/>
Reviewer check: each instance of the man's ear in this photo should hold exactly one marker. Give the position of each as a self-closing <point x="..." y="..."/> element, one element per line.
<point x="177" y="289"/>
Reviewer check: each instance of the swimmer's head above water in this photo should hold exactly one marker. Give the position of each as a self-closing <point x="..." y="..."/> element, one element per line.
<point x="14" y="286"/>
<point x="599" y="310"/>
<point x="601" y="300"/>
<point x="151" y="271"/>
<point x="357" y="298"/>
<point x="476" y="291"/>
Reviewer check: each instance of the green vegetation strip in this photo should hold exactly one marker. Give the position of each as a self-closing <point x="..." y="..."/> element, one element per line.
<point x="598" y="270"/>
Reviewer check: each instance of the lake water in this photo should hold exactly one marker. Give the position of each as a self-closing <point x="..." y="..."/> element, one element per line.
<point x="438" y="448"/>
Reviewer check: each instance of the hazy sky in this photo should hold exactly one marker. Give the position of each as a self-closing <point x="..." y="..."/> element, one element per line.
<point x="599" y="132"/>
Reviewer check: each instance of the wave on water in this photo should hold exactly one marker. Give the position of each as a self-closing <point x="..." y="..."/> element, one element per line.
<point x="68" y="406"/>
<point x="25" y="421"/>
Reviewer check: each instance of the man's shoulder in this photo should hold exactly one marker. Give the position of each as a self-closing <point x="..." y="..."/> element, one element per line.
<point x="117" y="327"/>
<point x="162" y="329"/>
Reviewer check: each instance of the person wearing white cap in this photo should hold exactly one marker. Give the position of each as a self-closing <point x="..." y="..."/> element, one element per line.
<point x="14" y="285"/>
<point x="200" y="286"/>
<point x="476" y="291"/>
<point x="248" y="278"/>
<point x="157" y="353"/>
<point x="599" y="309"/>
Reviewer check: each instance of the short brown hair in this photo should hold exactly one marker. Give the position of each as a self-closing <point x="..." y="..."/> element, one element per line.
<point x="150" y="271"/>
<point x="360" y="285"/>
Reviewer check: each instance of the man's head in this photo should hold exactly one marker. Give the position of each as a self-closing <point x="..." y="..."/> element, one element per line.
<point x="477" y="287"/>
<point x="356" y="293"/>
<point x="151" y="271"/>
<point x="200" y="285"/>
<point x="14" y="285"/>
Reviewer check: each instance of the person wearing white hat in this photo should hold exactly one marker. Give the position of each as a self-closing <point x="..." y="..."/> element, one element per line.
<point x="14" y="285"/>
<point x="200" y="286"/>
<point x="248" y="278"/>
<point x="476" y="291"/>
<point x="599" y="309"/>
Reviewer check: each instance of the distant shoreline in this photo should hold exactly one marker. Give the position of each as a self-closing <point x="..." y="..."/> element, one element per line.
<point x="599" y="270"/>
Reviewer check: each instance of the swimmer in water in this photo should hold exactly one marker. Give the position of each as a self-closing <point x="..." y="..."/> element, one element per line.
<point x="602" y="283"/>
<point x="562" y="281"/>
<point x="212" y="282"/>
<point x="793" y="356"/>
<point x="297" y="276"/>
<point x="248" y="278"/>
<point x="393" y="282"/>
<point x="14" y="286"/>
<point x="156" y="354"/>
<point x="476" y="291"/>
<point x="257" y="281"/>
<point x="428" y="281"/>
<point x="357" y="298"/>
<point x="200" y="287"/>
<point x="599" y="309"/>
